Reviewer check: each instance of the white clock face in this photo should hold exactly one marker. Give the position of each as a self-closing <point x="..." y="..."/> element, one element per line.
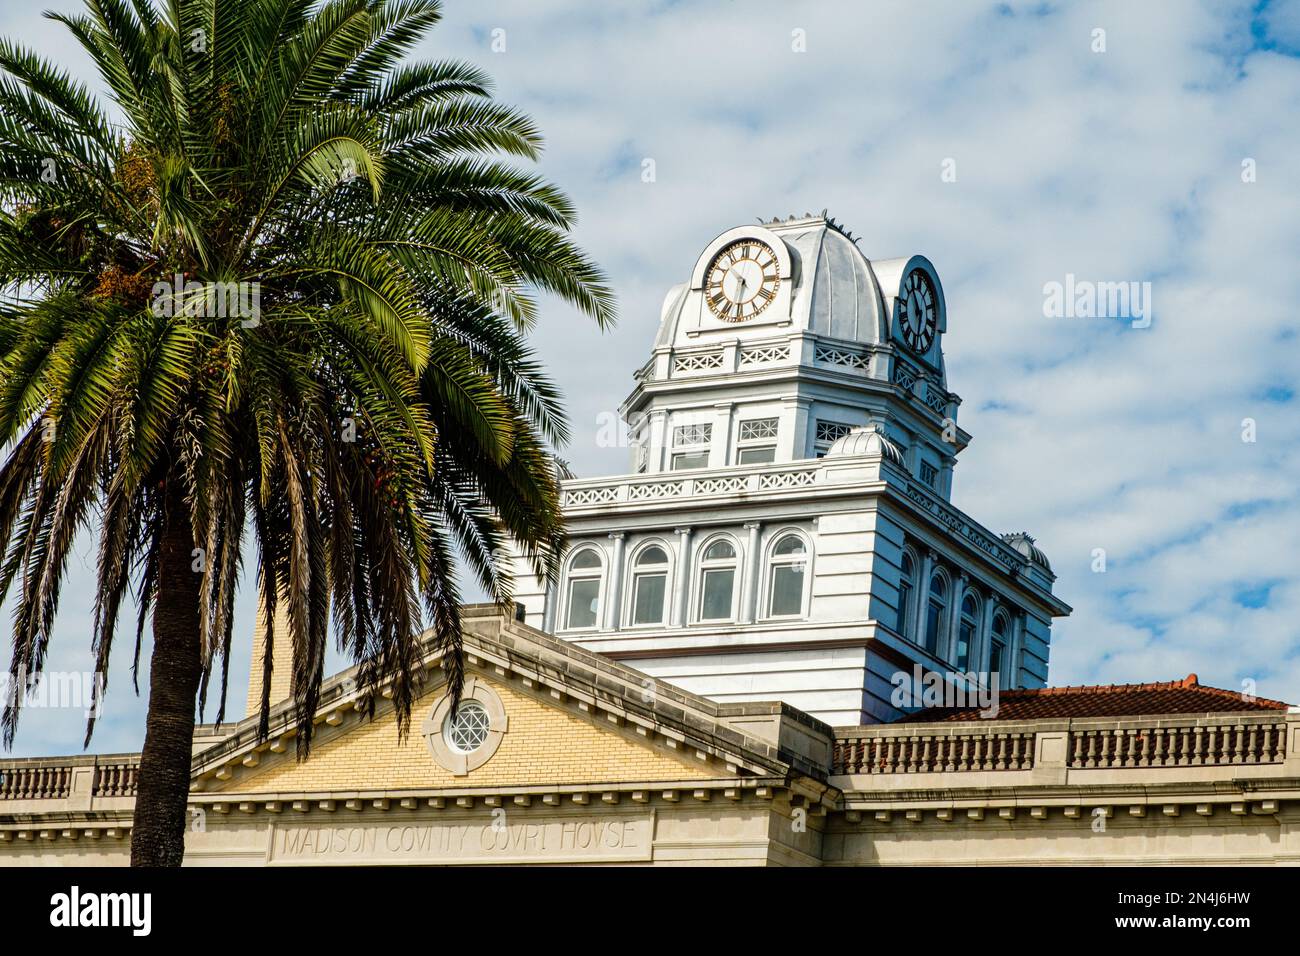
<point x="742" y="280"/>
<point x="918" y="315"/>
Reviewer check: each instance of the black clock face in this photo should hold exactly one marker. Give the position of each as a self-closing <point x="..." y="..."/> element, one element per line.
<point x="918" y="314"/>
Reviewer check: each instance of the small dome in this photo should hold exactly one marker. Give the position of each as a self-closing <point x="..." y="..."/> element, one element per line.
<point x="1022" y="542"/>
<point x="869" y="439"/>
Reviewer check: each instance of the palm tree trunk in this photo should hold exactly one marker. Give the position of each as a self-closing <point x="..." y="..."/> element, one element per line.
<point x="158" y="833"/>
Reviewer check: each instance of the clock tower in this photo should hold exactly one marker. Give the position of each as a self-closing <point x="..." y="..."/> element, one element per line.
<point x="785" y="528"/>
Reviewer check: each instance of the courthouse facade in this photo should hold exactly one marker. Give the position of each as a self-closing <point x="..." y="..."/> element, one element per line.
<point x="774" y="641"/>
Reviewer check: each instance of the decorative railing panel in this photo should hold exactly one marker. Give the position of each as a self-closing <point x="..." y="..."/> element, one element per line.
<point x="764" y="355"/>
<point x="933" y="753"/>
<point x="117" y="780"/>
<point x="1248" y="742"/>
<point x="35" y="783"/>
<point x="697" y="362"/>
<point x="843" y="358"/>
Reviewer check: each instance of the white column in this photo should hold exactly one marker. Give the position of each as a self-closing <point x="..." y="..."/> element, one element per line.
<point x="794" y="429"/>
<point x="954" y="616"/>
<point x="681" y="590"/>
<point x="658" y="438"/>
<point x="548" y="609"/>
<point x="923" y="597"/>
<point x="986" y="637"/>
<point x="1017" y="639"/>
<point x="720" y="442"/>
<point x="749" y="583"/>
<point x="614" y="599"/>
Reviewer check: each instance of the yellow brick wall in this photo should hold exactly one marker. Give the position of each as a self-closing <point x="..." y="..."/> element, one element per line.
<point x="543" y="745"/>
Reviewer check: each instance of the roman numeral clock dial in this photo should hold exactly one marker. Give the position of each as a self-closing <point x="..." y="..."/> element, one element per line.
<point x="917" y="317"/>
<point x="742" y="280"/>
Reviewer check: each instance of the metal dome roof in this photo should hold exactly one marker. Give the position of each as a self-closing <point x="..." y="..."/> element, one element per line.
<point x="1022" y="542"/>
<point x="869" y="439"/>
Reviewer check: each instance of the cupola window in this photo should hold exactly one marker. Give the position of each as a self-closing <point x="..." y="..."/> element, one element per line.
<point x="584" y="589"/>
<point x="649" y="586"/>
<point x="718" y="581"/>
<point x="788" y="569"/>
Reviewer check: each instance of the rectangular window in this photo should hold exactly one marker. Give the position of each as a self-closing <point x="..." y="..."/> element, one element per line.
<point x="997" y="652"/>
<point x="756" y="441"/>
<point x="933" y="619"/>
<point x="691" y="437"/>
<point x="830" y="432"/>
<point x="904" y="602"/>
<point x="756" y="456"/>
<point x="787" y="589"/>
<point x="685" y="435"/>
<point x="718" y="586"/>
<point x="965" y="638"/>
<point x="758" y="429"/>
<point x="584" y="597"/>
<point x="683" y="460"/>
<point x="648" y="598"/>
<point x="929" y="474"/>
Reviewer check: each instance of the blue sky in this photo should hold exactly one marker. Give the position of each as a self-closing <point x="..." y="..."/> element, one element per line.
<point x="1122" y="165"/>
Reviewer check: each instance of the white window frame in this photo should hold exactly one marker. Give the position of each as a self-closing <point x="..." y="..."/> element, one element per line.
<point x="973" y="647"/>
<point x="945" y="616"/>
<point x="821" y="445"/>
<point x="906" y="615"/>
<point x="771" y="441"/>
<point x="601" y="577"/>
<point x="695" y="444"/>
<point x="770" y="560"/>
<point x="1008" y="644"/>
<point x="630" y="576"/>
<point x="701" y="566"/>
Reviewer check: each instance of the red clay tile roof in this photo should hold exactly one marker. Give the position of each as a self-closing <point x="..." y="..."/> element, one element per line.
<point x="1108" y="700"/>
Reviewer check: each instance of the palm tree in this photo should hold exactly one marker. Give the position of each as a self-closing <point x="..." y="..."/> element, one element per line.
<point x="285" y="282"/>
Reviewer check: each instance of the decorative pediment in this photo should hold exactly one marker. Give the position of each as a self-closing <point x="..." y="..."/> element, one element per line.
<point x="535" y="712"/>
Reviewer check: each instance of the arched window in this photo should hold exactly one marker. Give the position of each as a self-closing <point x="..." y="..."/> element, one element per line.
<point x="649" y="585"/>
<point x="937" y="612"/>
<point x="905" y="587"/>
<point x="583" y="605"/>
<point x="788" y="566"/>
<point x="967" y="628"/>
<point x="718" y="581"/>
<point x="999" y="641"/>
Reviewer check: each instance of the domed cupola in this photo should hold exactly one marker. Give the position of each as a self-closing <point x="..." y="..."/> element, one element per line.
<point x="837" y="295"/>
<point x="870" y="440"/>
<point x="803" y="273"/>
<point x="1022" y="542"/>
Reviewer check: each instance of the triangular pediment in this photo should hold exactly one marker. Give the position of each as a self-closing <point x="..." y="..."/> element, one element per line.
<point x="540" y="713"/>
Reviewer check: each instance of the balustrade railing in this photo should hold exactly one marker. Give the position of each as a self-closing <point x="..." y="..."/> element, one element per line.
<point x="1247" y="742"/>
<point x="1193" y="741"/>
<point x="53" y="779"/>
<point x="933" y="753"/>
<point x="35" y="782"/>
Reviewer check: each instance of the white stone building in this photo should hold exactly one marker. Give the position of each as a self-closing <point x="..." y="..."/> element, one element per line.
<point x="785" y="531"/>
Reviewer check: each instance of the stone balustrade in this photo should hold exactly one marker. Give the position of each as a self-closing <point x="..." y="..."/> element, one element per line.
<point x="923" y="751"/>
<point x="1071" y="746"/>
<point x="1245" y="741"/>
<point x="28" y="783"/>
